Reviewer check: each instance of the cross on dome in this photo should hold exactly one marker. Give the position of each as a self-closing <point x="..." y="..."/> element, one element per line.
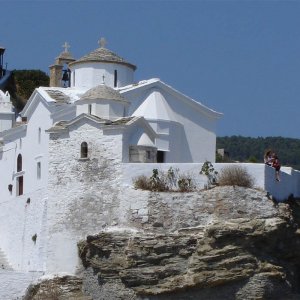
<point x="66" y="46"/>
<point x="102" y="42"/>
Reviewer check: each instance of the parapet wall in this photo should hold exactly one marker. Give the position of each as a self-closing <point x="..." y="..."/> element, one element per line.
<point x="264" y="176"/>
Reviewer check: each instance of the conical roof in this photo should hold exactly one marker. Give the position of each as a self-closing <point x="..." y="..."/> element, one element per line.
<point x="103" y="55"/>
<point x="103" y="92"/>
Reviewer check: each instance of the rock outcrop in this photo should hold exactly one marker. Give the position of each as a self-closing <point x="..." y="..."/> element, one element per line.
<point x="249" y="250"/>
<point x="235" y="243"/>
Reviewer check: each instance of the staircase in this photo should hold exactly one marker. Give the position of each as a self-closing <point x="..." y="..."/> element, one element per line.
<point x="4" y="264"/>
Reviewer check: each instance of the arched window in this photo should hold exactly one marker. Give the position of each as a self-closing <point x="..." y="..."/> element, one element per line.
<point x="19" y="163"/>
<point x="84" y="150"/>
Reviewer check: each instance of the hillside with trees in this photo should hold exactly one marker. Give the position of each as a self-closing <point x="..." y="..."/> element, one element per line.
<point x="248" y="149"/>
<point x="22" y="83"/>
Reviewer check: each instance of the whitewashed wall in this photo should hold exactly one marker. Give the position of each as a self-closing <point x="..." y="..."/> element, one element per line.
<point x="132" y="170"/>
<point x="84" y="194"/>
<point x="264" y="176"/>
<point x="193" y="141"/>
<point x="14" y="284"/>
<point x="88" y="75"/>
<point x="22" y="217"/>
<point x="19" y="222"/>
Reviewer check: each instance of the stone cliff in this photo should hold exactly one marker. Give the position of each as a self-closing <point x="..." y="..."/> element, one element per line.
<point x="237" y="244"/>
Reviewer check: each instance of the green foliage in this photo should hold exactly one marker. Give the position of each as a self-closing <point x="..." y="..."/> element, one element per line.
<point x="158" y="182"/>
<point x="209" y="171"/>
<point x="185" y="183"/>
<point x="165" y="181"/>
<point x="22" y="84"/>
<point x="235" y="175"/>
<point x="252" y="159"/>
<point x="243" y="149"/>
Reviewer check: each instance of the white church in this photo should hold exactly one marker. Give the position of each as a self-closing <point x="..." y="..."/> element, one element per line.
<point x="62" y="160"/>
<point x="152" y="121"/>
<point x="67" y="162"/>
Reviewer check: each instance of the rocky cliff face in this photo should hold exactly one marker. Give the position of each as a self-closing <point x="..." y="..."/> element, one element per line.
<point x="237" y="244"/>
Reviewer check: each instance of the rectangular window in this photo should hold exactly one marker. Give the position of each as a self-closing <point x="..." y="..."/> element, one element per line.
<point x="20" y="186"/>
<point x="40" y="135"/>
<point x="90" y="109"/>
<point x="148" y="153"/>
<point x="115" y="78"/>
<point x="38" y="170"/>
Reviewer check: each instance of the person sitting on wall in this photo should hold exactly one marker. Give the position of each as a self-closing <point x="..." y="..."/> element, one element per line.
<point x="268" y="157"/>
<point x="276" y="165"/>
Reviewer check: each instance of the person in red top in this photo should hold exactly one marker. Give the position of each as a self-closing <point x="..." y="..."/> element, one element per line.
<point x="276" y="165"/>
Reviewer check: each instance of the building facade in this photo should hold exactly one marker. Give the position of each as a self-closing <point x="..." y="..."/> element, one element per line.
<point x="61" y="163"/>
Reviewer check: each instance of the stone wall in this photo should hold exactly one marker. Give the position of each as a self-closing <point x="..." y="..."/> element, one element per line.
<point x="84" y="194"/>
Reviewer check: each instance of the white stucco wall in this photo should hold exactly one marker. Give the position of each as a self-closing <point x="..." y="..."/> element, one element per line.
<point x="22" y="217"/>
<point x="187" y="134"/>
<point x="90" y="74"/>
<point x="133" y="170"/>
<point x="7" y="120"/>
<point x="14" y="284"/>
<point x="83" y="193"/>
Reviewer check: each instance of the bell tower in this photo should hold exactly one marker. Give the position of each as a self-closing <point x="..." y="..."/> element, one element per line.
<point x="60" y="75"/>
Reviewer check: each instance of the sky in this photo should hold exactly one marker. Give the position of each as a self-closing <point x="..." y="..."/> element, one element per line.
<point x="241" y="58"/>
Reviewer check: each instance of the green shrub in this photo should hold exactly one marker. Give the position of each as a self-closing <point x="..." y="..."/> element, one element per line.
<point x="165" y="181"/>
<point x="209" y="171"/>
<point x="235" y="175"/>
<point x="186" y="183"/>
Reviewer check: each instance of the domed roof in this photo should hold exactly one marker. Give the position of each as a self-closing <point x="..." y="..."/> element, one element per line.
<point x="103" y="92"/>
<point x="65" y="55"/>
<point x="103" y="55"/>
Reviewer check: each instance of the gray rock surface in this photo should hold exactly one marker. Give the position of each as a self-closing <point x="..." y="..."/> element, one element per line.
<point x="223" y="243"/>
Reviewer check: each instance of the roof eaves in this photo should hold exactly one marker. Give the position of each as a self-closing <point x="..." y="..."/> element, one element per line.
<point x="103" y="61"/>
<point x="7" y="133"/>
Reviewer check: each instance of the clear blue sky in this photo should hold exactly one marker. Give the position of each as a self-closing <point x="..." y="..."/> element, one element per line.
<point x="241" y="58"/>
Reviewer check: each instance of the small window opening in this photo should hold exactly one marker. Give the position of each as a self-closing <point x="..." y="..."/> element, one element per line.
<point x="160" y="158"/>
<point x="90" y="109"/>
<point x="116" y="78"/>
<point x="40" y="135"/>
<point x="84" y="150"/>
<point x="20" y="186"/>
<point x="20" y="143"/>
<point x="148" y="154"/>
<point x="19" y="163"/>
<point x="38" y="170"/>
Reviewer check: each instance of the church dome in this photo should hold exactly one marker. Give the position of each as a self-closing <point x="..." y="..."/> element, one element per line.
<point x="103" y="55"/>
<point x="103" y="92"/>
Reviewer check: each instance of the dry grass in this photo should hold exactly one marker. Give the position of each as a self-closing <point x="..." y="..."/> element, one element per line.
<point x="235" y="175"/>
